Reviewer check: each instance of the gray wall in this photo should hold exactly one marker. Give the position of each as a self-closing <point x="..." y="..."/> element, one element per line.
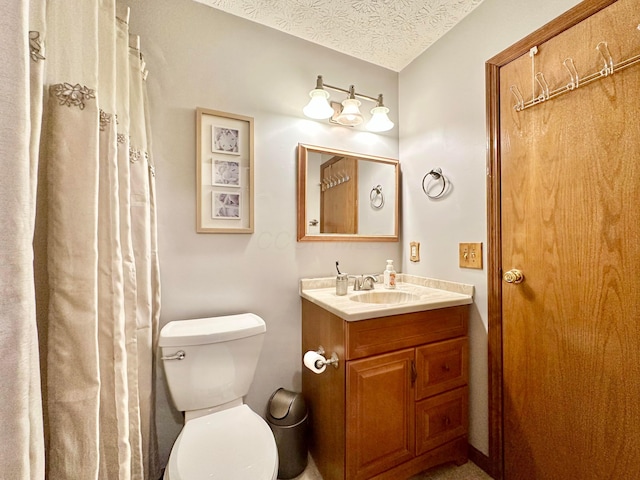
<point x="200" y="57"/>
<point x="442" y="124"/>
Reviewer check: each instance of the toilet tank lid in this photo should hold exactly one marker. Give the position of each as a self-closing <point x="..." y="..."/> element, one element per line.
<point x="201" y="331"/>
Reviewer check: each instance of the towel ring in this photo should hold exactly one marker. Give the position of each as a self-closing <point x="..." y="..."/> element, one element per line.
<point x="436" y="176"/>
<point x="376" y="197"/>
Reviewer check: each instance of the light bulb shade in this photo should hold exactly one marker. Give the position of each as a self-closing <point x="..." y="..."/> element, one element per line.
<point x="350" y="114"/>
<point x="379" y="120"/>
<point x="318" y="107"/>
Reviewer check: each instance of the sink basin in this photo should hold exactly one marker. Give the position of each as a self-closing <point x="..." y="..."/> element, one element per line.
<point x="386" y="297"/>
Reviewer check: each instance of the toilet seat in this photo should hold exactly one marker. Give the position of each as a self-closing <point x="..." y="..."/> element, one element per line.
<point x="230" y="444"/>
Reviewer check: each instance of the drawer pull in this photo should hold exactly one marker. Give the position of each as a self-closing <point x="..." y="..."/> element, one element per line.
<point x="446" y="420"/>
<point x="446" y="367"/>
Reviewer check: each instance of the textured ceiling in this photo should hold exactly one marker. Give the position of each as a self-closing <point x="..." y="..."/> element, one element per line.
<point x="389" y="33"/>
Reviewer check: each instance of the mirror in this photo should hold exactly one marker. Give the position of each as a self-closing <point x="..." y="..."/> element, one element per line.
<point x="346" y="196"/>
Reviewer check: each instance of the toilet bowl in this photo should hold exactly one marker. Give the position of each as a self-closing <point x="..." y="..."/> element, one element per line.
<point x="233" y="444"/>
<point x="209" y="366"/>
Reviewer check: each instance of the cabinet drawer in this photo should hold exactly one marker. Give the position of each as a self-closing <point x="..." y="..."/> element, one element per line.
<point x="386" y="334"/>
<point x="440" y="419"/>
<point x="442" y="366"/>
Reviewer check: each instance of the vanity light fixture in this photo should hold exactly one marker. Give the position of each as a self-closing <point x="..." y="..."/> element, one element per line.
<point x="349" y="115"/>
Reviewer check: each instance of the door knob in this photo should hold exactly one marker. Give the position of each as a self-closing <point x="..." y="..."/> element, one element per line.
<point x="513" y="276"/>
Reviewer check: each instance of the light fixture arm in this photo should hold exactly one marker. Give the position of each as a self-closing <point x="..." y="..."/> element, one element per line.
<point x="350" y="91"/>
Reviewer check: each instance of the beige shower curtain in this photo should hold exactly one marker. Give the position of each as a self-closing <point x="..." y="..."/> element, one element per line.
<point x="78" y="183"/>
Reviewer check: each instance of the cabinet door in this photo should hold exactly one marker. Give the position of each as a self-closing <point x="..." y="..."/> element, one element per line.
<point x="380" y="431"/>
<point x="442" y="366"/>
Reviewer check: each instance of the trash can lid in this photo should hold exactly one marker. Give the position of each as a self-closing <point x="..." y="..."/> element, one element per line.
<point x="286" y="407"/>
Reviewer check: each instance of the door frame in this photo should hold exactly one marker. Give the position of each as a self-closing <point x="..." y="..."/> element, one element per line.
<point x="494" y="233"/>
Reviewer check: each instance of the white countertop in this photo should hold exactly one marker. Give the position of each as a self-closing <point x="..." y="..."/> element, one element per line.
<point x="431" y="293"/>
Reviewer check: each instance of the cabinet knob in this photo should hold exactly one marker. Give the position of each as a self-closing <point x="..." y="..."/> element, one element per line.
<point x="513" y="276"/>
<point x="446" y="367"/>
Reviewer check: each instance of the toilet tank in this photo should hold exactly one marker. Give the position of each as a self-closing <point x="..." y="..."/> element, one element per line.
<point x="220" y="358"/>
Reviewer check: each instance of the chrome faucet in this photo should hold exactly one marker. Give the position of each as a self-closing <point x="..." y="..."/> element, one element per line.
<point x="364" y="282"/>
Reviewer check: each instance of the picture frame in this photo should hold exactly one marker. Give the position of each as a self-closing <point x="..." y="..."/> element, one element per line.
<point x="224" y="171"/>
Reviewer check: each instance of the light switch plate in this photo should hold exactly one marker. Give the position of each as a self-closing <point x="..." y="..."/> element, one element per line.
<point x="470" y="255"/>
<point x="414" y="251"/>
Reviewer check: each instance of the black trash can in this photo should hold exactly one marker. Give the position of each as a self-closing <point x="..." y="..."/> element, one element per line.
<point x="287" y="416"/>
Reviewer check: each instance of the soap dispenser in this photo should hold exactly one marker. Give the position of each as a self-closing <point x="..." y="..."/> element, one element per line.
<point x="389" y="275"/>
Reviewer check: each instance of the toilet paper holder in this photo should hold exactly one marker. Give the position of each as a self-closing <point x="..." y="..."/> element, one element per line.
<point x="331" y="361"/>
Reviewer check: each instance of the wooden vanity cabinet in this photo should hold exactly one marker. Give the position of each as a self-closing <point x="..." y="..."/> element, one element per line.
<point x="398" y="402"/>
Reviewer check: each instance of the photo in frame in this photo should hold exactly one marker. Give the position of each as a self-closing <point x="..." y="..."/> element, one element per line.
<point x="225" y="205"/>
<point x="225" y="140"/>
<point x="224" y="171"/>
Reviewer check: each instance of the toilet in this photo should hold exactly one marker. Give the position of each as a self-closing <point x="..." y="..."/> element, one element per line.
<point x="209" y="365"/>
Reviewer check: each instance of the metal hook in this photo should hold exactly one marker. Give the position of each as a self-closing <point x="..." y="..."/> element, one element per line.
<point x="519" y="98"/>
<point x="544" y="86"/>
<point x="603" y="49"/>
<point x="573" y="73"/>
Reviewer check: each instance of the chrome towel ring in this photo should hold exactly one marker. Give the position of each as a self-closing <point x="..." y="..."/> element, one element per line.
<point x="376" y="197"/>
<point x="436" y="177"/>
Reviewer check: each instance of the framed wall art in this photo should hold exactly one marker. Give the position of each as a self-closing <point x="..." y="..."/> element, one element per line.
<point x="224" y="168"/>
<point x="225" y="140"/>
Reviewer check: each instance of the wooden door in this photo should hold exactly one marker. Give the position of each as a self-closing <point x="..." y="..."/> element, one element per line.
<point x="567" y="195"/>
<point x="380" y="414"/>
<point x="339" y="198"/>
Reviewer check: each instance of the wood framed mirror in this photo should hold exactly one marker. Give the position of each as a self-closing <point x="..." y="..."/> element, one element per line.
<point x="347" y="196"/>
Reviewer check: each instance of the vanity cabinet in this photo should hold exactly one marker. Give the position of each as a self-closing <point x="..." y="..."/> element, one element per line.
<point x="398" y="402"/>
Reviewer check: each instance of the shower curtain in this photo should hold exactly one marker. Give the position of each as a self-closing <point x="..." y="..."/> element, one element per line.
<point x="79" y="291"/>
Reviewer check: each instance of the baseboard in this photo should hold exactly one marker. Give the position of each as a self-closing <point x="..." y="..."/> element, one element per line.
<point x="480" y="459"/>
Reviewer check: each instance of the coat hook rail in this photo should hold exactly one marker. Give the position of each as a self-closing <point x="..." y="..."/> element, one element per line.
<point x="609" y="67"/>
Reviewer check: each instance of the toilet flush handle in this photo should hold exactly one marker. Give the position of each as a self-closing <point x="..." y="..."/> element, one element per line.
<point x="179" y="355"/>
